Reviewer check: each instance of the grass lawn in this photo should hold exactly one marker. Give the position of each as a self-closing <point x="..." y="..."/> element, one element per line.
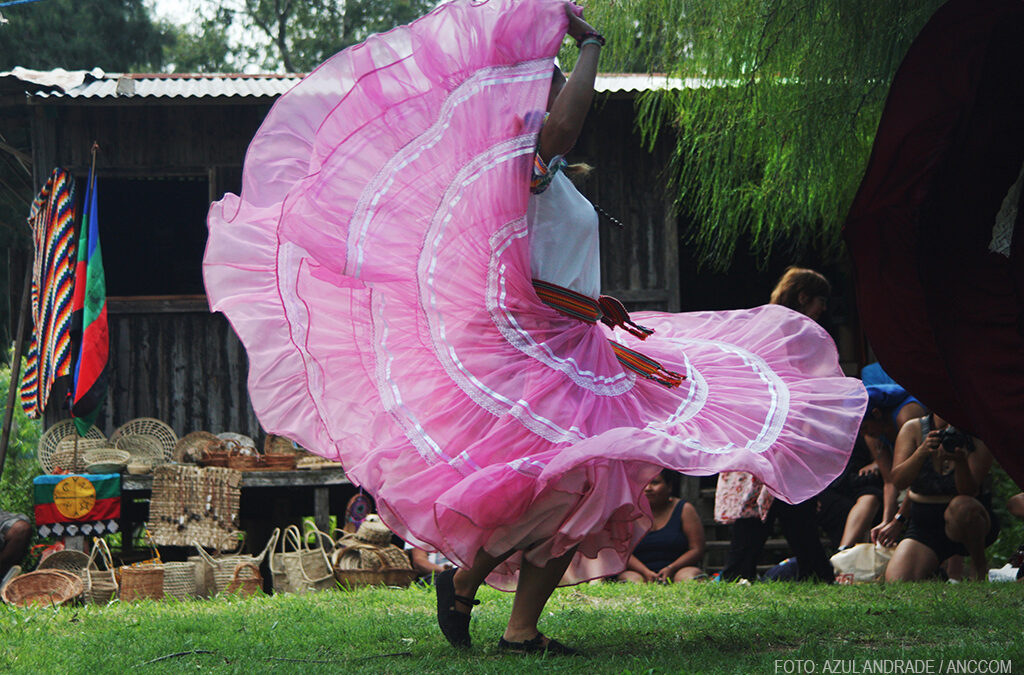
<point x="687" y="628"/>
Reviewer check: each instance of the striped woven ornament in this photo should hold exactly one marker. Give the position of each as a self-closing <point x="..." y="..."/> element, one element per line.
<point x="612" y="312"/>
<point x="52" y="219"/>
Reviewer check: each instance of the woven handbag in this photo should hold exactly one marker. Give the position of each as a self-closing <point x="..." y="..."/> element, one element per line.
<point x="100" y="584"/>
<point x="307" y="568"/>
<point x="219" y="569"/>
<point x="362" y="564"/>
<point x="246" y="580"/>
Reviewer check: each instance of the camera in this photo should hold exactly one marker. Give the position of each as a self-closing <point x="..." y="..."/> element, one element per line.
<point x="952" y="438"/>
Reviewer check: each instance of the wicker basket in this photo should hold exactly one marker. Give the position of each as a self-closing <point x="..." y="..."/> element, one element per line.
<point x="100" y="585"/>
<point x="218" y="571"/>
<point x="67" y="560"/>
<point x="304" y="568"/>
<point x="240" y="462"/>
<point x="180" y="580"/>
<point x="140" y="582"/>
<point x="143" y="448"/>
<point x="190" y="447"/>
<point x="367" y="565"/>
<point x="152" y="429"/>
<point x="278" y="445"/>
<point x="55" y="434"/>
<point x="246" y="580"/>
<point x="42" y="587"/>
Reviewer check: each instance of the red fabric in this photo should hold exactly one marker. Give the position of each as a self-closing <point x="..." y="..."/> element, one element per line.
<point x="105" y="509"/>
<point x="942" y="312"/>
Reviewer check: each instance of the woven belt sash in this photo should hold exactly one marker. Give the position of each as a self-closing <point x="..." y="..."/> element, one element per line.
<point x="612" y="313"/>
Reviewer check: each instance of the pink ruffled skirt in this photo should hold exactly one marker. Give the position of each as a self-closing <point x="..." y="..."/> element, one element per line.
<point x="376" y="267"/>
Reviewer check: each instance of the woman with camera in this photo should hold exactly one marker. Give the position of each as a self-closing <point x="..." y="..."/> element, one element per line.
<point x="949" y="510"/>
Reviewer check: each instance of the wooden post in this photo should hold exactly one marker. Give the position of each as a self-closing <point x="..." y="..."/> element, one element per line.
<point x="12" y="390"/>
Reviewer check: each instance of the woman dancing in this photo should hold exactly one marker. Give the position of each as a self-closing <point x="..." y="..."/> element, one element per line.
<point x="417" y="285"/>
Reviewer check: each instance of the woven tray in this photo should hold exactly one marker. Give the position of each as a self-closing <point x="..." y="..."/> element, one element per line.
<point x="43" y="587"/>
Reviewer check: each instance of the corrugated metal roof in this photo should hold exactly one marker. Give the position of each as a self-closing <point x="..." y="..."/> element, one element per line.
<point x="96" y="84"/>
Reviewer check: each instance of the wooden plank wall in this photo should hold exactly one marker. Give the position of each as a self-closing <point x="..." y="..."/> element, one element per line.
<point x="187" y="369"/>
<point x="639" y="263"/>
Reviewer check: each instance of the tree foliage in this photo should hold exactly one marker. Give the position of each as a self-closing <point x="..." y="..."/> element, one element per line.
<point x="115" y="35"/>
<point x="772" y="146"/>
<point x="289" y="35"/>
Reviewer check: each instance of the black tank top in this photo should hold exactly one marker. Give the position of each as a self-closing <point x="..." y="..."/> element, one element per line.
<point x="660" y="547"/>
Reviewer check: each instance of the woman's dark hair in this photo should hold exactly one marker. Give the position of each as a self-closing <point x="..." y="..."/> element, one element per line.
<point x="673" y="479"/>
<point x="797" y="280"/>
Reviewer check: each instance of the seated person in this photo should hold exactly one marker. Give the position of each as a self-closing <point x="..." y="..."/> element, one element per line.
<point x="674" y="548"/>
<point x="427" y="563"/>
<point x="947" y="511"/>
<point x="15" y="533"/>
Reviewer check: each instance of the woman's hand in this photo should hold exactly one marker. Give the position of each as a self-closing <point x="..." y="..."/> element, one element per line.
<point x="577" y="26"/>
<point x="887" y="534"/>
<point x="664" y="575"/>
<point x="930" y="444"/>
<point x="869" y="469"/>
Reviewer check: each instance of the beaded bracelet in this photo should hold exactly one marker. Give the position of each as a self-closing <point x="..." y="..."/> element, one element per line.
<point x="590" y="36"/>
<point x="591" y="41"/>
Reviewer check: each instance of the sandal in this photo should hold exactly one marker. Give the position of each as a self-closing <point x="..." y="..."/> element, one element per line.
<point x="538" y="645"/>
<point x="454" y="624"/>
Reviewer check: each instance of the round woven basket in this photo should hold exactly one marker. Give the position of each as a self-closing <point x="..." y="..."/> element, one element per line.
<point x="190" y="447"/>
<point x="155" y="429"/>
<point x="67" y="560"/>
<point x="54" y="435"/>
<point x="278" y="445"/>
<point x="373" y="531"/>
<point x="42" y="587"/>
<point x="241" y="440"/>
<point x="111" y="455"/>
<point x="144" y="448"/>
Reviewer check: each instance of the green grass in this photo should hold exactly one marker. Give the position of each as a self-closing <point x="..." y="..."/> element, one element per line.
<point x="686" y="628"/>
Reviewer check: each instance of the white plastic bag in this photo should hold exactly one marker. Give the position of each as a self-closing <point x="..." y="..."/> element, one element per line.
<point x="861" y="563"/>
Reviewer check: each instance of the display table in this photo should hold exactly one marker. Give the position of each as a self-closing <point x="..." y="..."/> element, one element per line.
<point x="269" y="499"/>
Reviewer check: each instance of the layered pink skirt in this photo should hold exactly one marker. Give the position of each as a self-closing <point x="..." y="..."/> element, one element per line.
<point x="376" y="267"/>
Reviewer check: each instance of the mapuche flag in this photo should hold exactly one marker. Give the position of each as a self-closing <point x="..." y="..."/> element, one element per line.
<point x="89" y="314"/>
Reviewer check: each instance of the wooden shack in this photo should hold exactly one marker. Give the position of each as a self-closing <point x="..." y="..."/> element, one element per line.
<point x="169" y="145"/>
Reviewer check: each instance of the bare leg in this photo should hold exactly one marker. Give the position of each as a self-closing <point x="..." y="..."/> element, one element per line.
<point x="911" y="561"/>
<point x="859" y="520"/>
<point x="688" y="574"/>
<point x="536" y="584"/>
<point x="631" y="577"/>
<point x="967" y="523"/>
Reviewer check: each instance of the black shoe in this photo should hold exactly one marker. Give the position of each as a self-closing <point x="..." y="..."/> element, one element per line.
<point x="538" y="645"/>
<point x="454" y="624"/>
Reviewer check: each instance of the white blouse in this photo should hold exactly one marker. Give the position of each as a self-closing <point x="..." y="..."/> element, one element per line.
<point x="564" y="241"/>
